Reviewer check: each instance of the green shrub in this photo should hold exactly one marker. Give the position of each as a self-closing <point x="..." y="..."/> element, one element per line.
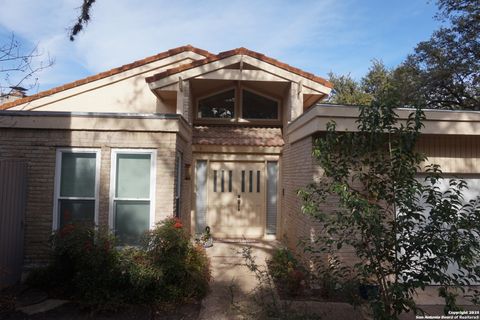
<point x="185" y="267"/>
<point x="87" y="266"/>
<point x="287" y="272"/>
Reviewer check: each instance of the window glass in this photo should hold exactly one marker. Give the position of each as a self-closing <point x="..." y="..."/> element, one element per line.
<point x="133" y="198"/>
<point x="76" y="211"/>
<point x="133" y="176"/>
<point x="258" y="181"/>
<point x="132" y="219"/>
<point x="255" y="106"/>
<point x="78" y="175"/>
<point x="214" y="180"/>
<point x="223" y="180"/>
<point x="250" y="180"/>
<point x="75" y="193"/>
<point x="220" y="106"/>
<point x="243" y="180"/>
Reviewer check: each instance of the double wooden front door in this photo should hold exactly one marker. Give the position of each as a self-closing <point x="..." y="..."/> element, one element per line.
<point x="236" y="199"/>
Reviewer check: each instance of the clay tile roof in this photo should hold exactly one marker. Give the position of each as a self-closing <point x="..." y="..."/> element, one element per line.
<point x="105" y="74"/>
<point x="238" y="51"/>
<point x="238" y="136"/>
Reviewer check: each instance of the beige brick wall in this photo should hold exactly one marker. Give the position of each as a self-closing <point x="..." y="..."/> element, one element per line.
<point x="299" y="169"/>
<point x="39" y="147"/>
<point x="297" y="172"/>
<point x="186" y="189"/>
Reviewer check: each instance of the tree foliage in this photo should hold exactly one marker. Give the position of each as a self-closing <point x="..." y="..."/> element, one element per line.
<point x="376" y="85"/>
<point x="404" y="230"/>
<point x="347" y="91"/>
<point x="442" y="72"/>
<point x="82" y="19"/>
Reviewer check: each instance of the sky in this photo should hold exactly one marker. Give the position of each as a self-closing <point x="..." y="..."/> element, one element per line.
<point x="318" y="36"/>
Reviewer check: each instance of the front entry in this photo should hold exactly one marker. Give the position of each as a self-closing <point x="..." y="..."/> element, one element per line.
<point x="236" y="199"/>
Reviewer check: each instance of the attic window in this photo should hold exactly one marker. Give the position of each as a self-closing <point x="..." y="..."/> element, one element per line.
<point x="255" y="106"/>
<point x="218" y="106"/>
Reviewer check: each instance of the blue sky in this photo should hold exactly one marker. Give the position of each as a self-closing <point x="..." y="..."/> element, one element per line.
<point x="320" y="36"/>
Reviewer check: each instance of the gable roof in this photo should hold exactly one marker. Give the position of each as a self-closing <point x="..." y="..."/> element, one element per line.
<point x="209" y="57"/>
<point x="238" y="51"/>
<point x="105" y="74"/>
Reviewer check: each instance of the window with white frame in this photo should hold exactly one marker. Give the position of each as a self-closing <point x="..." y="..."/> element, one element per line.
<point x="132" y="190"/>
<point x="76" y="187"/>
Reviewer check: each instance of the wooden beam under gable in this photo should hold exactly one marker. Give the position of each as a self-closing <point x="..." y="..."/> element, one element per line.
<point x="194" y="72"/>
<point x="241" y="75"/>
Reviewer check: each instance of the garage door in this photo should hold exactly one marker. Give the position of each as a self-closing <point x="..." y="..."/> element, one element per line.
<point x="236" y="199"/>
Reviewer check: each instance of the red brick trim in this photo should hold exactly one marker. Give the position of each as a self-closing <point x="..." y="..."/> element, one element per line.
<point x="106" y="74"/>
<point x="238" y="51"/>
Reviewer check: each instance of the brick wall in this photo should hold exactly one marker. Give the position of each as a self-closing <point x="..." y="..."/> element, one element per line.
<point x="38" y="148"/>
<point x="186" y="189"/>
<point x="299" y="169"/>
<point x="297" y="172"/>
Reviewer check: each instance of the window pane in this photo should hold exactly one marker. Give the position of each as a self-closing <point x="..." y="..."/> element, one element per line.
<point x="250" y="180"/>
<point x="230" y="175"/>
<point x="132" y="219"/>
<point x="221" y="105"/>
<point x="223" y="181"/>
<point x="243" y="180"/>
<point x="76" y="211"/>
<point x="133" y="176"/>
<point x="78" y="175"/>
<point x="258" y="107"/>
<point x="214" y="180"/>
<point x="258" y="181"/>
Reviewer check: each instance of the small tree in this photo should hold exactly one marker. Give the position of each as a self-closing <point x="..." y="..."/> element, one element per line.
<point x="404" y="230"/>
<point x="19" y="66"/>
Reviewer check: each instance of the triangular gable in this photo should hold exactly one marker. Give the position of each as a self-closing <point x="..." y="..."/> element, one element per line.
<point x="60" y="91"/>
<point x="211" y="64"/>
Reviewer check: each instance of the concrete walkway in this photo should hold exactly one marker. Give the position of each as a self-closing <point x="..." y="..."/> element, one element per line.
<point x="229" y="273"/>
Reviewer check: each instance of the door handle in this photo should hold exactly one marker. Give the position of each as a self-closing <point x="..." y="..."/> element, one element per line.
<point x="238" y="203"/>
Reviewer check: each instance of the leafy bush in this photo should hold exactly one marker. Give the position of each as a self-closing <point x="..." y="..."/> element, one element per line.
<point x="289" y="275"/>
<point x="87" y="266"/>
<point x="337" y="281"/>
<point x="185" y="267"/>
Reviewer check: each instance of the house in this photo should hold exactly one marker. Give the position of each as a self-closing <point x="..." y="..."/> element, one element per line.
<point x="223" y="140"/>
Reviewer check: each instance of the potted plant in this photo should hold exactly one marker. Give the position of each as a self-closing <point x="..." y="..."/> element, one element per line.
<point x="206" y="238"/>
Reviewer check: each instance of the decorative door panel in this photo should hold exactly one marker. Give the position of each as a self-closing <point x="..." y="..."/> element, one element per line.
<point x="236" y="199"/>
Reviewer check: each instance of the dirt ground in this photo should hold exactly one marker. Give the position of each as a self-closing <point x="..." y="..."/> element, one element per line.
<point x="71" y="311"/>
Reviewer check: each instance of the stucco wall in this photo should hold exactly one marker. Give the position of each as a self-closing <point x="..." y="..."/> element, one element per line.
<point x="38" y="148"/>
